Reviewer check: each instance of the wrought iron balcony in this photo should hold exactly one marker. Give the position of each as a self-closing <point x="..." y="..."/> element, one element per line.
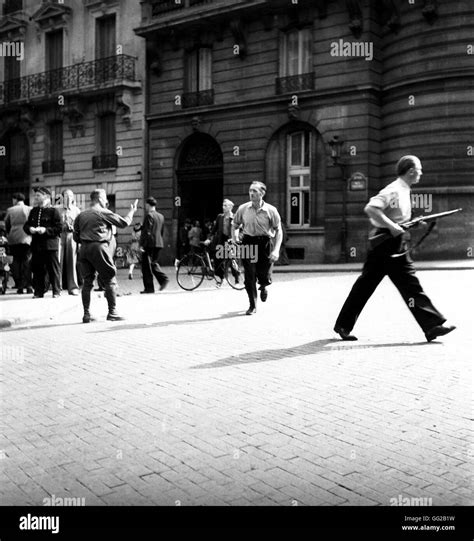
<point x="295" y="83"/>
<point x="10" y="6"/>
<point x="105" y="161"/>
<point x="53" y="166"/>
<point x="197" y="99"/>
<point x="78" y="78"/>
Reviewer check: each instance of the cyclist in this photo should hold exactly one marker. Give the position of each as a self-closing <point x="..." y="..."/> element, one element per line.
<point x="221" y="233"/>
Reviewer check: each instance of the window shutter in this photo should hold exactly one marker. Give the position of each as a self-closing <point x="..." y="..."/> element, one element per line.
<point x="307" y="48"/>
<point x="205" y="69"/>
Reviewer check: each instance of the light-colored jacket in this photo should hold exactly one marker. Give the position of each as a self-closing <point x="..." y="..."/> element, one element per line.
<point x="14" y="221"/>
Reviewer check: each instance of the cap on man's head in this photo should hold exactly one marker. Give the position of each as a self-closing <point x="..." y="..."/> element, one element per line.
<point x="152" y="201"/>
<point x="43" y="191"/>
<point x="406" y="163"/>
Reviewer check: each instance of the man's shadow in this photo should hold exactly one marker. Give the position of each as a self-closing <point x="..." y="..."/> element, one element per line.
<point x="310" y="348"/>
<point x="158" y="324"/>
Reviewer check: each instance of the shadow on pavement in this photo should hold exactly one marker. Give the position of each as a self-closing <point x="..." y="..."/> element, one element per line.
<point x="311" y="348"/>
<point x="158" y="324"/>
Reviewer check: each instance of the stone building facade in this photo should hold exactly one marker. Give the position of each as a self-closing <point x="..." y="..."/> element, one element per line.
<point x="254" y="89"/>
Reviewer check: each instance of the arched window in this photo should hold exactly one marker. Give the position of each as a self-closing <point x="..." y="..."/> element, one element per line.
<point x="295" y="170"/>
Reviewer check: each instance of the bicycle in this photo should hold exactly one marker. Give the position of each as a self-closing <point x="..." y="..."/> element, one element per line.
<point x="194" y="267"/>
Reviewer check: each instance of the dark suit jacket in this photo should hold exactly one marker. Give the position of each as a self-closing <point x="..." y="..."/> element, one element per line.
<point x="51" y="220"/>
<point x="152" y="230"/>
<point x="218" y="231"/>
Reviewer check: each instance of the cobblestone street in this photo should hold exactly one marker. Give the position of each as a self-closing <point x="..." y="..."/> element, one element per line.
<point x="189" y="402"/>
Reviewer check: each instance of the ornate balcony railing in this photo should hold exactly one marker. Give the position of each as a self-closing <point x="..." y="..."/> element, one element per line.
<point x="105" y="161"/>
<point x="295" y="83"/>
<point x="196" y="99"/>
<point x="78" y="77"/>
<point x="10" y="6"/>
<point x="53" y="166"/>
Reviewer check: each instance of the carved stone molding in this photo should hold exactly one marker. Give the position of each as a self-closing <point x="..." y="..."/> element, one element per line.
<point x="196" y="123"/>
<point x="430" y="10"/>
<point x="389" y="14"/>
<point x="238" y="30"/>
<point x="13" y="28"/>
<point x="51" y="16"/>
<point x="26" y="120"/>
<point x="74" y="110"/>
<point x="356" y="24"/>
<point x="124" y="100"/>
<point x="294" y="112"/>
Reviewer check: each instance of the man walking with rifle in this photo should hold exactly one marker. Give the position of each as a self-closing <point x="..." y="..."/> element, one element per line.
<point x="387" y="210"/>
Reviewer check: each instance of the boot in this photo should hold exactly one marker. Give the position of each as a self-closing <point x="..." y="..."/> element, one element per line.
<point x="111" y="296"/>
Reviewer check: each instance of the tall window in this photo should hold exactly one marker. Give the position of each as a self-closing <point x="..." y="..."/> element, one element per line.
<point x="107" y="157"/>
<point x="299" y="175"/>
<point x="106" y="134"/>
<point x="105" y="45"/>
<point x="198" y="70"/>
<point x="54" y="162"/>
<point x="54" y="50"/>
<point x="296" y="53"/>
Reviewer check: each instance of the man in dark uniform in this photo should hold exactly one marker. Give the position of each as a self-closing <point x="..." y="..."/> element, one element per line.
<point x="44" y="224"/>
<point x="93" y="231"/>
<point x="261" y="224"/>
<point x="151" y="243"/>
<point x="387" y="210"/>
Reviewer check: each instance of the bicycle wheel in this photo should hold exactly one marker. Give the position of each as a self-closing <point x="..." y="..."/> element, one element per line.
<point x="190" y="272"/>
<point x="234" y="273"/>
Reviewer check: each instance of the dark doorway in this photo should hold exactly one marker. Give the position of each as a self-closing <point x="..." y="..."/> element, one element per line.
<point x="14" y="166"/>
<point x="200" y="179"/>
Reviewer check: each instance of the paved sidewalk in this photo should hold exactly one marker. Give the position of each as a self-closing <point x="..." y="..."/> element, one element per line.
<point x="13" y="312"/>
<point x="190" y="402"/>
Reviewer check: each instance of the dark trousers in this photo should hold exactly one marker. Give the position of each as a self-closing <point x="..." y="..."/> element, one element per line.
<point x="95" y="258"/>
<point x="259" y="270"/>
<point x="21" y="265"/>
<point x="151" y="267"/>
<point x="45" y="262"/>
<point x="401" y="272"/>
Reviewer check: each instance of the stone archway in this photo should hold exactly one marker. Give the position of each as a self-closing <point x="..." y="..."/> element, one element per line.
<point x="200" y="178"/>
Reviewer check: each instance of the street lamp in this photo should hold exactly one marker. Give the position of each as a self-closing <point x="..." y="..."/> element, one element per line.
<point x="336" y="148"/>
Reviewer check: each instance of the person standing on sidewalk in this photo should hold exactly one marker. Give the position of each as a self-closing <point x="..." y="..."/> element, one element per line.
<point x="93" y="231"/>
<point x="151" y="243"/>
<point x="19" y="243"/>
<point x="44" y="225"/>
<point x="387" y="210"/>
<point x="262" y="238"/>
<point x="68" y="259"/>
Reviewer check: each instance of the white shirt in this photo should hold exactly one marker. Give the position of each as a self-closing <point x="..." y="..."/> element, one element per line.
<point x="395" y="201"/>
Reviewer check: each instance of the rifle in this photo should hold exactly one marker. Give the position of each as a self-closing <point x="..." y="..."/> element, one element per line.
<point x="378" y="239"/>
